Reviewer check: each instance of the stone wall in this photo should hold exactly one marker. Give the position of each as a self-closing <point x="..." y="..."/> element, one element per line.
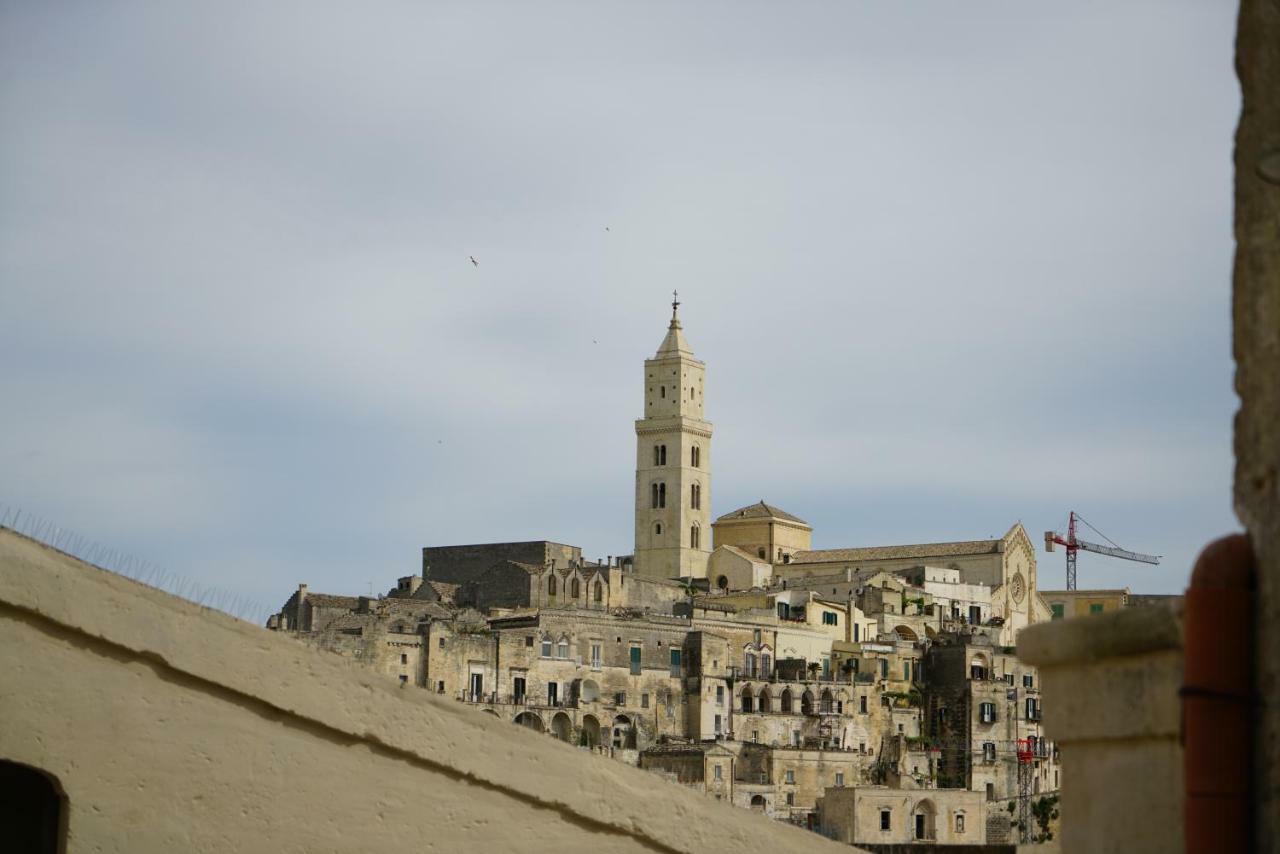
<point x="1110" y="684"/>
<point x="457" y="564"/>
<point x="170" y="727"/>
<point x="1256" y="321"/>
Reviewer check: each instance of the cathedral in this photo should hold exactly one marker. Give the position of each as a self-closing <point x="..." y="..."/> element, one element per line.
<point x="760" y="546"/>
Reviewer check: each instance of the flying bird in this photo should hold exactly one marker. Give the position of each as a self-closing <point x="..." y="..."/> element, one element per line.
<point x="474" y="262"/>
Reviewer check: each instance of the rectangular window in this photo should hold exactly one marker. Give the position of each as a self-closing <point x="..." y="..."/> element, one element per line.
<point x="906" y="670"/>
<point x="839" y="779"/>
<point x="518" y="689"/>
<point x="791" y="799"/>
<point x="855" y="632"/>
<point x="755" y="735"/>
<point x="719" y="775"/>
<point x="795" y="738"/>
<point x="546" y="649"/>
<point x="987" y="712"/>
<point x="620" y="699"/>
<point x="830" y="619"/>
<point x="553" y="694"/>
<point x="595" y="656"/>
<point x="1095" y="607"/>
<point x="441" y="644"/>
<point x="791" y="777"/>
<point x="717" y="724"/>
<point x="862" y="704"/>
<point x="1028" y="681"/>
<point x="528" y="640"/>
<point x="988" y="751"/>
<point x="676" y="669"/>
<point x="635" y="661"/>
<point x="1059" y="610"/>
<point x="719" y="695"/>
<point x="959" y="822"/>
<point x="404" y="658"/>
<point x="644" y="701"/>
<point x="975" y="615"/>
<point x="991" y="791"/>
<point x="884" y="819"/>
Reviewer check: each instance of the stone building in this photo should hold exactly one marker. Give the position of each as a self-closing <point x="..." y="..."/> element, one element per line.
<point x="763" y="672"/>
<point x="881" y="815"/>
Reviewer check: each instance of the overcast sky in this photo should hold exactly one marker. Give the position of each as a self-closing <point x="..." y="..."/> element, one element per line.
<point x="950" y="266"/>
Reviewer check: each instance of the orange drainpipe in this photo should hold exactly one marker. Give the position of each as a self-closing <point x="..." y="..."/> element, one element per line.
<point x="1218" y="698"/>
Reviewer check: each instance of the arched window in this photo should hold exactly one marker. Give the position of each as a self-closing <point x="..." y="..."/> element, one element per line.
<point x="662" y="495"/>
<point x="656" y="455"/>
<point x="786" y="701"/>
<point x="599" y="591"/>
<point x="657" y="529"/>
<point x="695" y="537"/>
<point x="695" y="456"/>
<point x="750" y="661"/>
<point x="695" y="496"/>
<point x="562" y="648"/>
<point x="722" y="582"/>
<point x="551" y="585"/>
<point x="766" y="666"/>
<point x="653" y="496"/>
<point x="662" y="455"/>
<point x="574" y="589"/>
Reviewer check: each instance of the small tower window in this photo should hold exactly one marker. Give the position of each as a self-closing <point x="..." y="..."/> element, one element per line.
<point x="695" y="537"/>
<point x="657" y="529"/>
<point x="695" y="496"/>
<point x="662" y="495"/>
<point x="695" y="456"/>
<point x="662" y="391"/>
<point x="662" y="455"/>
<point x="653" y="495"/>
<point x="551" y="586"/>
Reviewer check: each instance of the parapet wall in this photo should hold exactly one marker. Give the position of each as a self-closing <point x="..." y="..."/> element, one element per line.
<point x="174" y="728"/>
<point x="1110" y="686"/>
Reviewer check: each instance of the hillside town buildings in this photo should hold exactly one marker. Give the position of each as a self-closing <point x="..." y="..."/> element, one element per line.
<point x="869" y="693"/>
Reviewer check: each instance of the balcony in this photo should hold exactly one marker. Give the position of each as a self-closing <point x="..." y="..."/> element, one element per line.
<point x="493" y="698"/>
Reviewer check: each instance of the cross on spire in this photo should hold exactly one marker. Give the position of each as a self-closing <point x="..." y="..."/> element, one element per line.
<point x="675" y="303"/>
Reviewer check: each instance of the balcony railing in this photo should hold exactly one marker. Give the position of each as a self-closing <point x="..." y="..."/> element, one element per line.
<point x="493" y="698"/>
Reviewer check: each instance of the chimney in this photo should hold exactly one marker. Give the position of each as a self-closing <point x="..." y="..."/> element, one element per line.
<point x="302" y="593"/>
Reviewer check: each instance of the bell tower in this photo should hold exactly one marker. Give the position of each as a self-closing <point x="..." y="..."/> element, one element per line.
<point x="673" y="463"/>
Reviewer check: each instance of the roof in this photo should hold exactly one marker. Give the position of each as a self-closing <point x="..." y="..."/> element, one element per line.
<point x="743" y="554"/>
<point x="674" y="344"/>
<point x="326" y="600"/>
<point x="443" y="589"/>
<point x="919" y="550"/>
<point x="760" y="510"/>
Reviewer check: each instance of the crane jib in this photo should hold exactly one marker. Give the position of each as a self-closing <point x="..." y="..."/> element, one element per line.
<point x="1113" y="552"/>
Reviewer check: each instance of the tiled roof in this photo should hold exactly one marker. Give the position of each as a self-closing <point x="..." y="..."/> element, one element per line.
<point x="760" y="510"/>
<point x="920" y="550"/>
<point x="326" y="600"/>
<point x="444" y="589"/>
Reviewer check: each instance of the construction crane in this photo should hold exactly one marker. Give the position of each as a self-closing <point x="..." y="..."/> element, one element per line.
<point x="1074" y="544"/>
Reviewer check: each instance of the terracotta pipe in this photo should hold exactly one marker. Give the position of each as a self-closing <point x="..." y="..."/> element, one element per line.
<point x="1218" y="698"/>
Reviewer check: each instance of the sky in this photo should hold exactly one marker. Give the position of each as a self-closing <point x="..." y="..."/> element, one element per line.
<point x="950" y="266"/>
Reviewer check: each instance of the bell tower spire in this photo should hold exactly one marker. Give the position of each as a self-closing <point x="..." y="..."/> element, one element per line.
<point x="673" y="462"/>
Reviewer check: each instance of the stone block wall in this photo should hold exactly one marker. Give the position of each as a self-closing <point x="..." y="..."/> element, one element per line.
<point x="1110" y="684"/>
